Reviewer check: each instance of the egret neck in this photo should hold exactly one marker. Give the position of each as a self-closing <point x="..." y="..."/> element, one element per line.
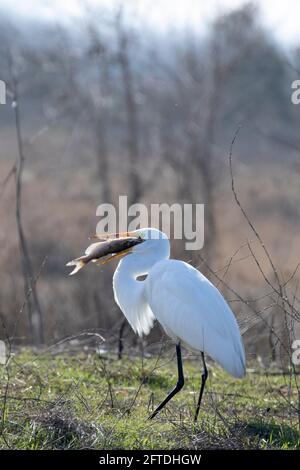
<point x="129" y="292"/>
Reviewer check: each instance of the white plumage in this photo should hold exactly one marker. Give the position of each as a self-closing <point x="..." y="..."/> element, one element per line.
<point x="188" y="306"/>
<point x="197" y="315"/>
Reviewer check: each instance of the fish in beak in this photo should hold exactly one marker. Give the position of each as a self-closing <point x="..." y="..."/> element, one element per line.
<point x="111" y="247"/>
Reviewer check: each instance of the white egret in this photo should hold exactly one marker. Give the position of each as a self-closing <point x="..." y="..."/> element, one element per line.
<point x="189" y="307"/>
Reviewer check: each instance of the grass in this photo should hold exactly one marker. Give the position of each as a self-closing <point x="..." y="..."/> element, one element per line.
<point x="91" y="401"/>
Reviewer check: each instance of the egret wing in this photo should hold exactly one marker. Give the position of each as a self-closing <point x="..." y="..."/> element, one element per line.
<point x="191" y="309"/>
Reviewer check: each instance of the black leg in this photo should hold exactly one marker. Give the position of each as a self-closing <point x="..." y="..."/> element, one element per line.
<point x="179" y="384"/>
<point x="204" y="377"/>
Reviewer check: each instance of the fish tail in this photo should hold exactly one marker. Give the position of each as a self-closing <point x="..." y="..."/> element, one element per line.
<point x="79" y="263"/>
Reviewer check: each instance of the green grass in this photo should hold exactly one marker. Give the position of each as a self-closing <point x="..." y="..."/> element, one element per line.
<point x="91" y="401"/>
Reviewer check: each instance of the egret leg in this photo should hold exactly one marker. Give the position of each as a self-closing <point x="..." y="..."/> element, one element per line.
<point x="203" y="377"/>
<point x="179" y="385"/>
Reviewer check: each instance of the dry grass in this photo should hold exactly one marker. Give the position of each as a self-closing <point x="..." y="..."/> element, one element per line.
<point x="65" y="400"/>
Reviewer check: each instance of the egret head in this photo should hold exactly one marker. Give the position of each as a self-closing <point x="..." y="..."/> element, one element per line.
<point x="153" y="246"/>
<point x="152" y="239"/>
<point x="142" y="241"/>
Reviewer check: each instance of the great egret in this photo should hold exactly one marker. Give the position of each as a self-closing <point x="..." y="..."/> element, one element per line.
<point x="189" y="307"/>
